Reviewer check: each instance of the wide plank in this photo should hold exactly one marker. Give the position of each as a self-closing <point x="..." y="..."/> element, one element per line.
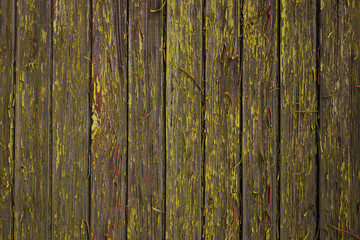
<point x="7" y="101"/>
<point x="260" y="119"/>
<point x="70" y="121"/>
<point x="222" y="120"/>
<point x="32" y="201"/>
<point x="184" y="87"/>
<point x="298" y="120"/>
<point x="108" y="89"/>
<point x="146" y="141"/>
<point x="339" y="177"/>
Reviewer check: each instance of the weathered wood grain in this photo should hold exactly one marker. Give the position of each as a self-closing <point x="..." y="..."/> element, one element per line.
<point x="70" y="119"/>
<point x="339" y="118"/>
<point x="184" y="122"/>
<point x="7" y="47"/>
<point x="32" y="120"/>
<point x="298" y="120"/>
<point x="222" y="120"/>
<point x="146" y="141"/>
<point x="260" y="119"/>
<point x="109" y="119"/>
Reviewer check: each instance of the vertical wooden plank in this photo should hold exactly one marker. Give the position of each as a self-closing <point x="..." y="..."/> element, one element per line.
<point x="70" y="119"/>
<point x="32" y="132"/>
<point x="298" y="119"/>
<point x="260" y="119"/>
<point x="146" y="121"/>
<point x="183" y="113"/>
<point x="339" y="118"/>
<point x="222" y="119"/>
<point x="7" y="28"/>
<point x="109" y="119"/>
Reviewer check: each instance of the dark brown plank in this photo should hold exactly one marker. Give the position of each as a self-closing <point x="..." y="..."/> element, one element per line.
<point x="7" y="28"/>
<point x="183" y="113"/>
<point x="339" y="119"/>
<point x="109" y="119"/>
<point x="222" y="120"/>
<point x="32" y="126"/>
<point x="70" y="119"/>
<point x="260" y="119"/>
<point x="146" y="121"/>
<point x="298" y="120"/>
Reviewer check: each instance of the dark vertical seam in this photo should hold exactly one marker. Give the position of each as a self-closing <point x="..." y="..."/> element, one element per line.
<point x="241" y="75"/>
<point x="50" y="173"/>
<point x="317" y="37"/>
<point x="164" y="121"/>
<point x="14" y="43"/>
<point x="127" y="114"/>
<point x="278" y="142"/>
<point x="203" y="126"/>
<point x="90" y="121"/>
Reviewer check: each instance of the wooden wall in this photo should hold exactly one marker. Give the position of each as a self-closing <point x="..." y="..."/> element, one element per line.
<point x="151" y="119"/>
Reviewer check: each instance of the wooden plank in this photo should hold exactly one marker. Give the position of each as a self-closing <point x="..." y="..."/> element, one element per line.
<point x="222" y="120"/>
<point x="32" y="126"/>
<point x="339" y="118"/>
<point x="70" y="119"/>
<point x="298" y="120"/>
<point x="109" y="119"/>
<point x="260" y="119"/>
<point x="183" y="113"/>
<point x="146" y="142"/>
<point x="7" y="28"/>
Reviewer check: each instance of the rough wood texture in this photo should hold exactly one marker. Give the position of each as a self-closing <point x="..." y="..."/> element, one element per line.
<point x="32" y="126"/>
<point x="183" y="112"/>
<point x="70" y="119"/>
<point x="260" y="119"/>
<point x="222" y="120"/>
<point x="298" y="120"/>
<point x="146" y="121"/>
<point x="109" y="119"/>
<point x="7" y="22"/>
<point x="339" y="118"/>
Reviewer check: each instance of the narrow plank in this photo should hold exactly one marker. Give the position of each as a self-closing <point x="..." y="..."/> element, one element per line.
<point x="222" y="120"/>
<point x="32" y="132"/>
<point x="146" y="121"/>
<point x="298" y="120"/>
<point x="109" y="119"/>
<point x="70" y="119"/>
<point x="183" y="113"/>
<point x="339" y="118"/>
<point x="7" y="28"/>
<point x="260" y="119"/>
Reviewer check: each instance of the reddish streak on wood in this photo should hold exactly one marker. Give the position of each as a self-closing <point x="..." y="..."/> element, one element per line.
<point x="268" y="23"/>
<point x="341" y="230"/>
<point x="190" y="76"/>
<point x="142" y="35"/>
<point x="146" y="115"/>
<point x="88" y="228"/>
<point x="111" y="65"/>
<point x="357" y="86"/>
<point x="154" y="154"/>
<point x="269" y="216"/>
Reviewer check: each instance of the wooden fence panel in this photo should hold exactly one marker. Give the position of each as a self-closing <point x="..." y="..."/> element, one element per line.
<point x="146" y="121"/>
<point x="222" y="120"/>
<point x="70" y="119"/>
<point x="298" y="120"/>
<point x="184" y="56"/>
<point x="109" y="119"/>
<point x="260" y="119"/>
<point x="32" y="120"/>
<point x="339" y="117"/>
<point x="7" y="101"/>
